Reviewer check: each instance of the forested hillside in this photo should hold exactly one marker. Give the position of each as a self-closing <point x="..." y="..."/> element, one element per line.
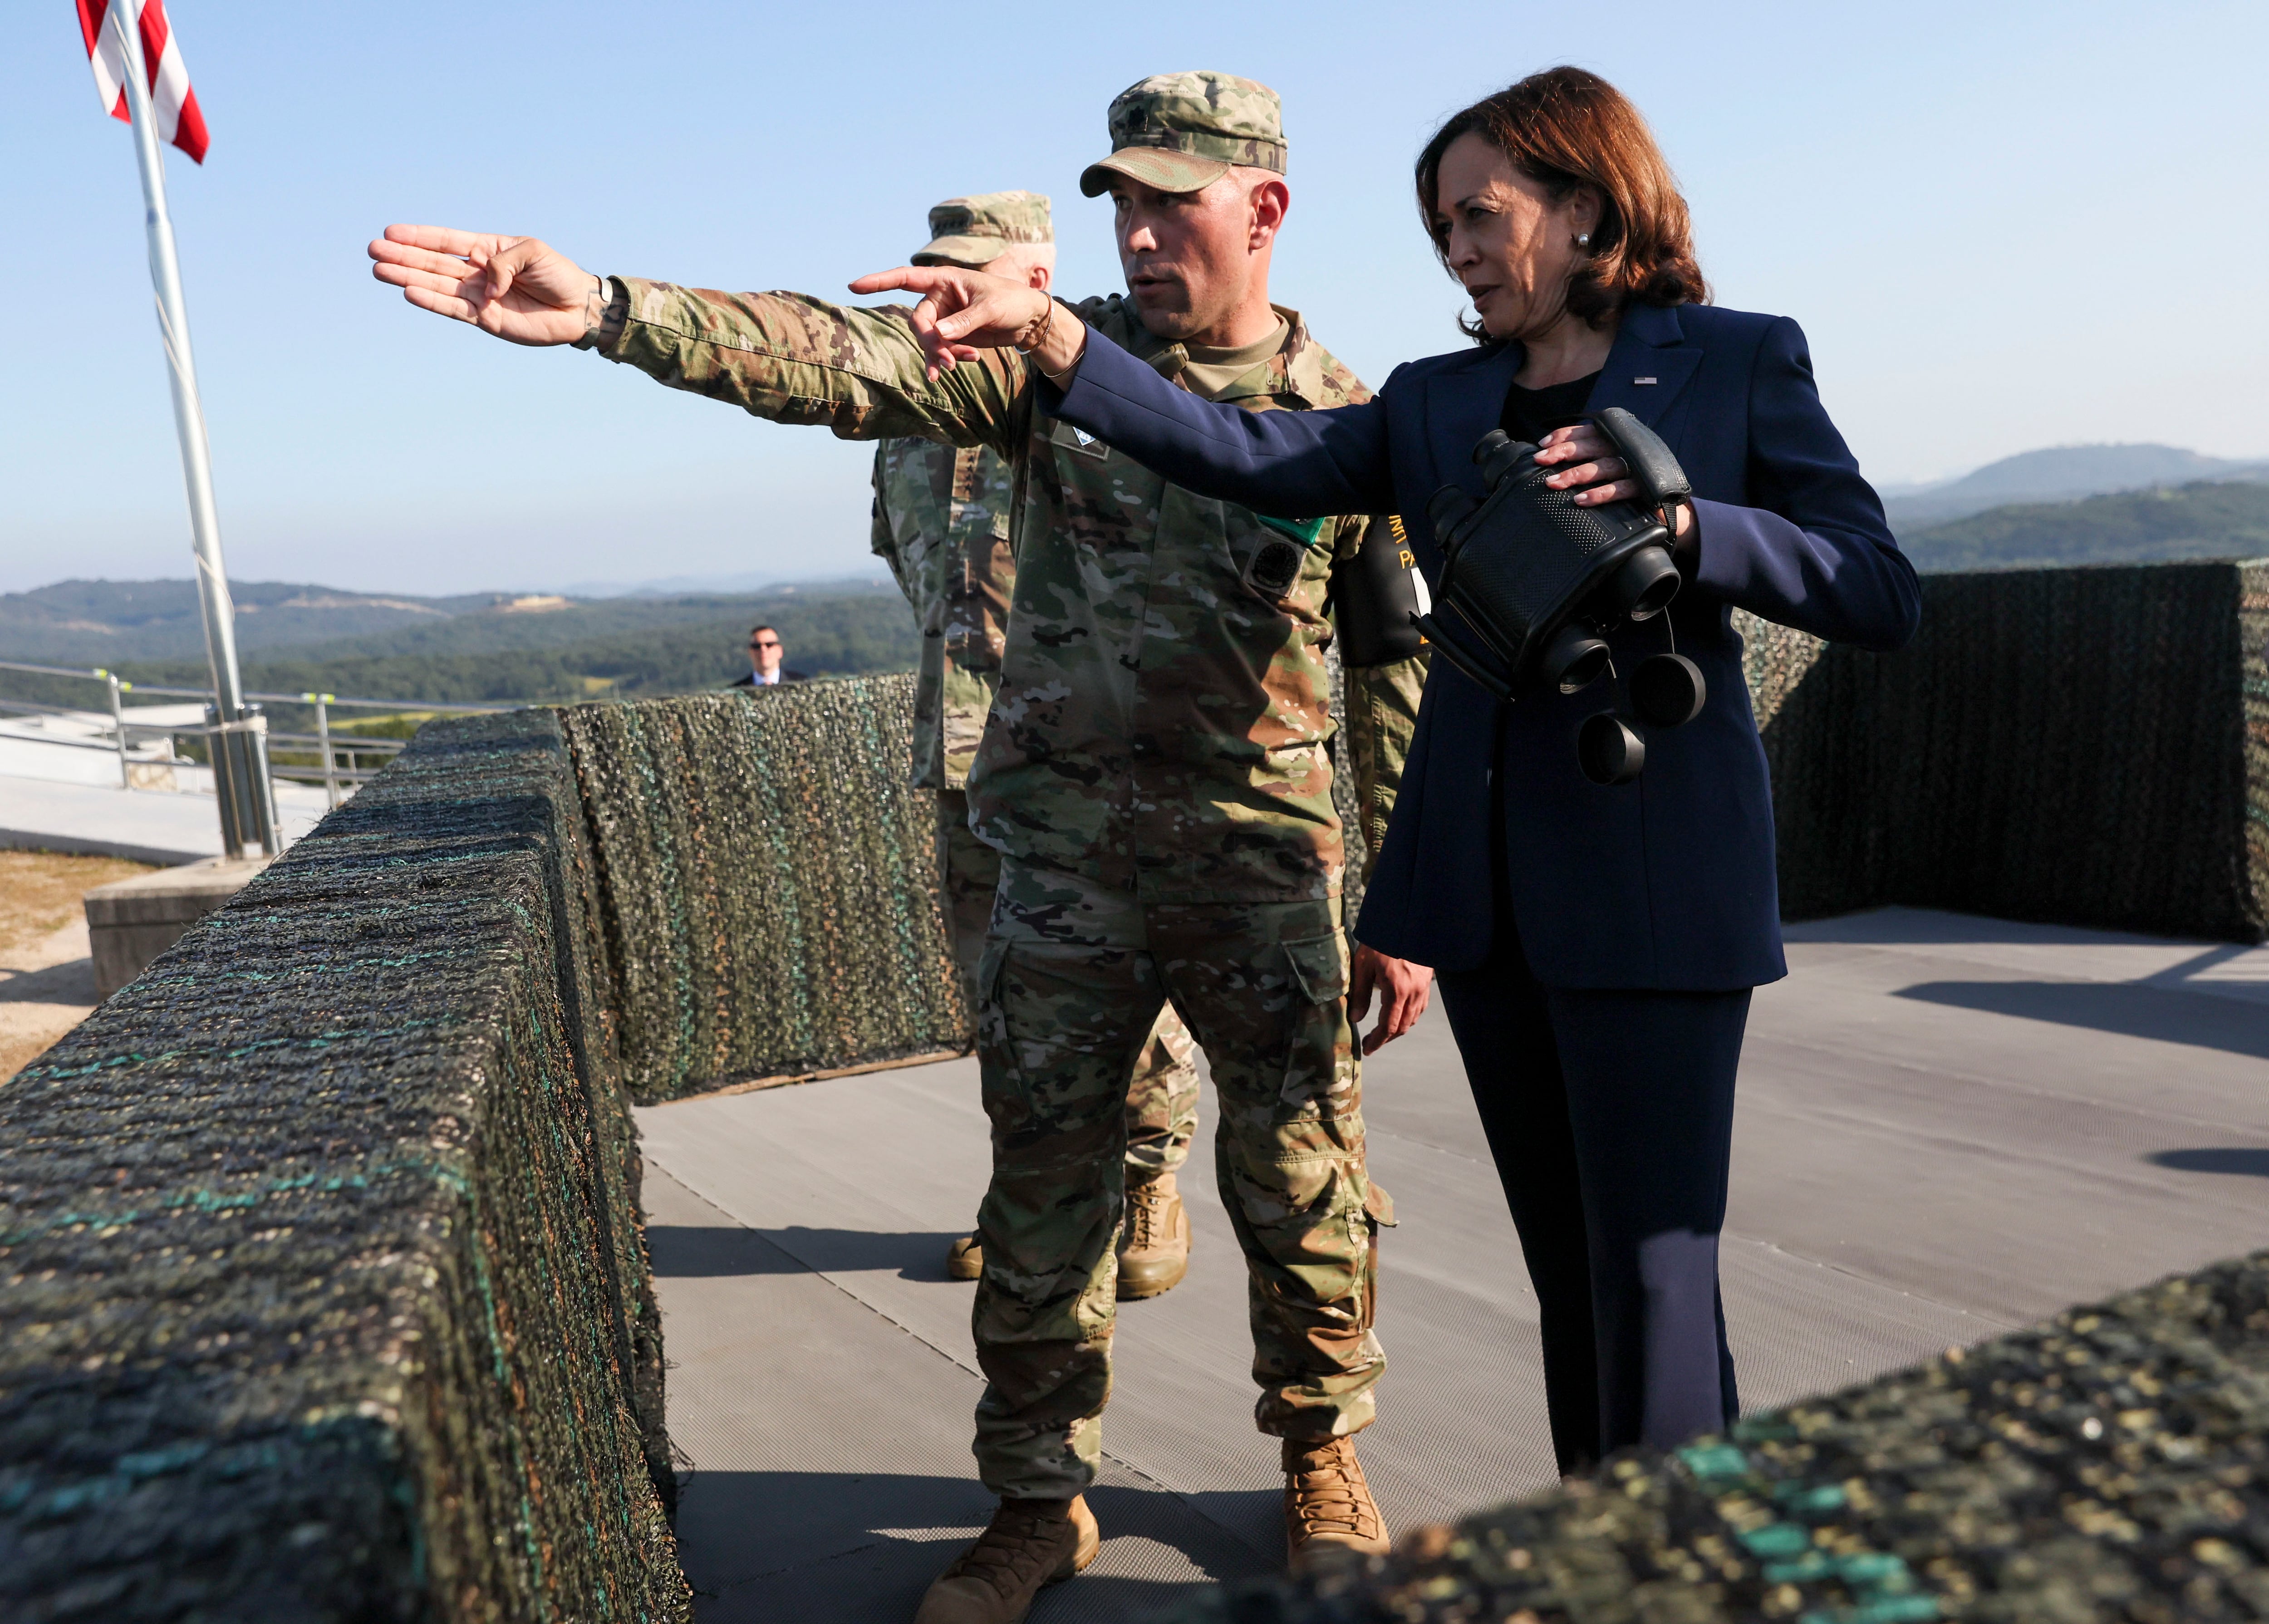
<point x="533" y="649"/>
<point x="2137" y="526"/>
<point x="494" y="648"/>
<point x="91" y="622"/>
<point x="101" y="622"/>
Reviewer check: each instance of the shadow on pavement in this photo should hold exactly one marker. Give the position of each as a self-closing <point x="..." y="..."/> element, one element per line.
<point x="71" y="982"/>
<point x="776" y="1546"/>
<point x="683" y="1251"/>
<point x="2130" y="1008"/>
<point x="2249" y="1161"/>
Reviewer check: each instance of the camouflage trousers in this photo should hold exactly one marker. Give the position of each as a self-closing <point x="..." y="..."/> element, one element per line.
<point x="1072" y="979"/>
<point x="1162" y="1098"/>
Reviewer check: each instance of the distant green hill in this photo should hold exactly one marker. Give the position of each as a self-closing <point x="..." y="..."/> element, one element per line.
<point x="2058" y="474"/>
<point x="102" y="622"/>
<point x="91" y="622"/>
<point x="2205" y="520"/>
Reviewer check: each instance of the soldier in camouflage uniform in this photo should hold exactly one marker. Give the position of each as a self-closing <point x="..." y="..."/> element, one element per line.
<point x="941" y="524"/>
<point x="1153" y="771"/>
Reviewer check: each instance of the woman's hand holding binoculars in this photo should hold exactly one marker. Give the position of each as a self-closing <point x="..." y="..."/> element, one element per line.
<point x="1586" y="461"/>
<point x="962" y="313"/>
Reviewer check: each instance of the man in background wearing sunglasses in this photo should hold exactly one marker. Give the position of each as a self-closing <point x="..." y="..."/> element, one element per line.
<point x="764" y="658"/>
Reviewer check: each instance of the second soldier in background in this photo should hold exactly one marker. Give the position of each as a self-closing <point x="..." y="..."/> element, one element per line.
<point x="941" y="524"/>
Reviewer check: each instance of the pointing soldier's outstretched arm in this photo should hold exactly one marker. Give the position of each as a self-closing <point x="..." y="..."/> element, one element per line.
<point x="795" y="359"/>
<point x="1154" y="773"/>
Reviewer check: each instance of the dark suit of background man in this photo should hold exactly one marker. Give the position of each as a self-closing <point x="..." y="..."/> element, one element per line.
<point x="765" y="657"/>
<point x="1596" y="944"/>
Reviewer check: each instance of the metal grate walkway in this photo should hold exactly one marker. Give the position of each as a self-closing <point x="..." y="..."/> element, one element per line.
<point x="1948" y="1127"/>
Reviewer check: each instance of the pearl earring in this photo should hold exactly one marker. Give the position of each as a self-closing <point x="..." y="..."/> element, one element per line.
<point x="1582" y="240"/>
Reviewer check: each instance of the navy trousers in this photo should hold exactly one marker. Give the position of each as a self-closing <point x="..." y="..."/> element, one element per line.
<point x="1610" y="1116"/>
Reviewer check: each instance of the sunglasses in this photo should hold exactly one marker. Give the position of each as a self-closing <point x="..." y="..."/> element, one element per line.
<point x="767" y="643"/>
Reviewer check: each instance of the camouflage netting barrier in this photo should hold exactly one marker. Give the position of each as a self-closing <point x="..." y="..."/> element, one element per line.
<point x="2113" y="1464"/>
<point x="2089" y="746"/>
<point x="323" y="1289"/>
<point x="1355" y="850"/>
<point x="323" y="1292"/>
<point x="768" y="882"/>
<point x="2085" y="746"/>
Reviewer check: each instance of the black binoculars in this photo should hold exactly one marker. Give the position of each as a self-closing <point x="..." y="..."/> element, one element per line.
<point x="1536" y="581"/>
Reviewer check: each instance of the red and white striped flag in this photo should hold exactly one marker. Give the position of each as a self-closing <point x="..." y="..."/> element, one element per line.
<point x="171" y="99"/>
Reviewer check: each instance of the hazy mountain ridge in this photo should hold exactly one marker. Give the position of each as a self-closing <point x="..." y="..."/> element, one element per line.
<point x="2209" y="519"/>
<point x="2062" y="505"/>
<point x="89" y="622"/>
<point x="877" y="579"/>
<point x="2060" y="473"/>
<point x="485" y="648"/>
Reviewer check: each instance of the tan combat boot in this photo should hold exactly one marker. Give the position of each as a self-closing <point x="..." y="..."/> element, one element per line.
<point x="1154" y="1241"/>
<point x="964" y="1259"/>
<point x="1326" y="1503"/>
<point x="1028" y="1544"/>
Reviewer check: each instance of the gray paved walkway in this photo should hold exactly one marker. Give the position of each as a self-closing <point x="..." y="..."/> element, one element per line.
<point x="1948" y="1127"/>
<point x="144" y="826"/>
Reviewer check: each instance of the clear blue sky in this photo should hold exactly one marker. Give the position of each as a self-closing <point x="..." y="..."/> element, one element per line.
<point x="2004" y="227"/>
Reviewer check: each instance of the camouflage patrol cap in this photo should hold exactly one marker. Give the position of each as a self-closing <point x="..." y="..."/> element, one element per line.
<point x="976" y="231"/>
<point x="1180" y="132"/>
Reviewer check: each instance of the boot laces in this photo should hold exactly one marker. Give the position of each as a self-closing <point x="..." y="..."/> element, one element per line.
<point x="1329" y="1493"/>
<point x="1015" y="1543"/>
<point x="1146" y="1212"/>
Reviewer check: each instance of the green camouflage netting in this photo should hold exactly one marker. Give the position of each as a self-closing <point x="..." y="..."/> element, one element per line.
<point x="2253" y="651"/>
<point x="769" y="884"/>
<point x="323" y="1289"/>
<point x="1356" y="851"/>
<point x="2113" y="1464"/>
<point x="322" y="1293"/>
<point x="2084" y="746"/>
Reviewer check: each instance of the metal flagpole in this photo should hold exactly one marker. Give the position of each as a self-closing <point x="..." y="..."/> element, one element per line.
<point x="239" y="739"/>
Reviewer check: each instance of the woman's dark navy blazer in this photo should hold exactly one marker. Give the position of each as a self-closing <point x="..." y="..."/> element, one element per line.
<point x="1665" y="882"/>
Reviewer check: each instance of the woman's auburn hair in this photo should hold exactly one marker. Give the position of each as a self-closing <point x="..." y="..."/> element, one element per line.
<point x="1567" y="128"/>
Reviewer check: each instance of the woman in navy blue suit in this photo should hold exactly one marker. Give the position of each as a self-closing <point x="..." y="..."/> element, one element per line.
<point x="1596" y="945"/>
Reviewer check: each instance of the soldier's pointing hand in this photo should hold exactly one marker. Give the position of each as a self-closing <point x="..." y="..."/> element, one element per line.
<point x="964" y="310"/>
<point x="517" y="288"/>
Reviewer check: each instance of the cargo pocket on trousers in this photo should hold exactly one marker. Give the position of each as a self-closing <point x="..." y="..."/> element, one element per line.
<point x="1319" y="1060"/>
<point x="1007" y="1101"/>
<point x="990" y="961"/>
<point x="1377" y="1214"/>
<point x="1319" y="967"/>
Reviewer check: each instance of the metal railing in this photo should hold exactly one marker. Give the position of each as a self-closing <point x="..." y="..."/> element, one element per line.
<point x="329" y="770"/>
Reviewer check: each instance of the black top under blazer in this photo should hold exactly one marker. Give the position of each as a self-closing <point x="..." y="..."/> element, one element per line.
<point x="1665" y="882"/>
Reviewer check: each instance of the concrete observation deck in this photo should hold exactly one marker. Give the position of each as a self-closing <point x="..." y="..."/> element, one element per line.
<point x="1949" y="1127"/>
<point x="142" y="826"/>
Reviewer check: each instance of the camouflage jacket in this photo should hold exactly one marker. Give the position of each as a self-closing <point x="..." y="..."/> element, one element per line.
<point x="941" y="524"/>
<point x="1162" y="720"/>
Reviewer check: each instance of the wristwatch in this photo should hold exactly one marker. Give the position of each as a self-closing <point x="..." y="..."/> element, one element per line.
<point x="605" y="311"/>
